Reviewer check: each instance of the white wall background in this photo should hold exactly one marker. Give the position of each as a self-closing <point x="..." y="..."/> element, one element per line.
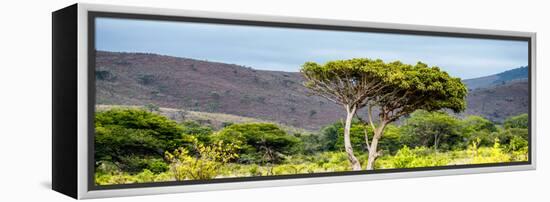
<point x="25" y="89"/>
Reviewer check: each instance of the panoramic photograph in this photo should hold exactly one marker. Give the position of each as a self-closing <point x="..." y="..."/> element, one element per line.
<point x="189" y="101"/>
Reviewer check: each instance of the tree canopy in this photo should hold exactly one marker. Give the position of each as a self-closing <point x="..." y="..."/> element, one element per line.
<point x="411" y="87"/>
<point x="395" y="89"/>
<point x="132" y="136"/>
<point x="259" y="141"/>
<point x="519" y="121"/>
<point x="436" y="129"/>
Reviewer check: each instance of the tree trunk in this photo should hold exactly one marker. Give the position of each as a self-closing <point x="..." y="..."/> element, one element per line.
<point x="355" y="165"/>
<point x="436" y="141"/>
<point x="373" y="150"/>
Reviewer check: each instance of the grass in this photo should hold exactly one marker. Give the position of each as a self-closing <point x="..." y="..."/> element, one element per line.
<point x="336" y="162"/>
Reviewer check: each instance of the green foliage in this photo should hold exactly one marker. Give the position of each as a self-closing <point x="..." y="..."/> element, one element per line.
<point x="158" y="166"/>
<point x="403" y="85"/>
<point x="207" y="165"/>
<point x="357" y="136"/>
<point x="259" y="142"/>
<point x="494" y="154"/>
<point x="131" y="136"/>
<point x="476" y="127"/>
<point x="309" y="144"/>
<point x="202" y="133"/>
<point x="392" y="140"/>
<point x="331" y="137"/>
<point x="125" y="178"/>
<point x="520" y="121"/>
<point x="158" y="126"/>
<point x="436" y="129"/>
<point x="412" y="158"/>
<point x="435" y="88"/>
<point x="131" y="144"/>
<point x="135" y="163"/>
<point x="478" y="123"/>
<point x="517" y="144"/>
<point x="506" y="135"/>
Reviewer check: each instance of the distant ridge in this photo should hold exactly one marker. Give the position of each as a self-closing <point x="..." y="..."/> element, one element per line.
<point x="512" y="75"/>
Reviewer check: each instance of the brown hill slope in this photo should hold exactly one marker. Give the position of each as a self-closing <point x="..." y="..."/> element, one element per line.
<point x="501" y="101"/>
<point x="139" y="79"/>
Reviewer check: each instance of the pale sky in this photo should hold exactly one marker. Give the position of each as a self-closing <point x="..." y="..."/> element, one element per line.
<point x="286" y="49"/>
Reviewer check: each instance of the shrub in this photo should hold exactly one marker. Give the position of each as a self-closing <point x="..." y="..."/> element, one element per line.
<point x="474" y="127"/>
<point x="432" y="129"/>
<point x="104" y="75"/>
<point x="309" y="144"/>
<point x="146" y="79"/>
<point x="158" y="166"/>
<point x="417" y="157"/>
<point x="259" y="142"/>
<point x="134" y="164"/>
<point x="145" y="176"/>
<point x="119" y="178"/>
<point x="493" y="154"/>
<point x="404" y="158"/>
<point x="202" y="133"/>
<point x="207" y="165"/>
<point x="519" y="121"/>
<point x="131" y="137"/>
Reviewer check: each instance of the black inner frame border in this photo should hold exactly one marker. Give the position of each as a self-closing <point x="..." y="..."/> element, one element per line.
<point x="92" y="15"/>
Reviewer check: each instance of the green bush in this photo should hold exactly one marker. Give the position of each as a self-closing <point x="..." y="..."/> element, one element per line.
<point x="208" y="164"/>
<point x="519" y="121"/>
<point x="493" y="154"/>
<point x="131" y="137"/>
<point x="418" y="157"/>
<point x="260" y="142"/>
<point x="202" y="133"/>
<point x="158" y="166"/>
<point x="437" y="129"/>
<point x="134" y="164"/>
<point x="476" y="127"/>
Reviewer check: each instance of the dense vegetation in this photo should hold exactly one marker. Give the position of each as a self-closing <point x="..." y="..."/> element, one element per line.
<point x="138" y="145"/>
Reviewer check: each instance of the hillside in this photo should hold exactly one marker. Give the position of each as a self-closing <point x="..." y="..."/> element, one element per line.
<point x="197" y="85"/>
<point x="501" y="101"/>
<point x="139" y="79"/>
<point x="513" y="75"/>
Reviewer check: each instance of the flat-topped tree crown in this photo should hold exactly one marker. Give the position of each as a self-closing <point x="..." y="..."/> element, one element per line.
<point x="345" y="82"/>
<point x="411" y="87"/>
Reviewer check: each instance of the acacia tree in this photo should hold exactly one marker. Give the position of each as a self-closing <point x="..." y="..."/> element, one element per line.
<point x="344" y="82"/>
<point x="407" y="88"/>
<point x="394" y="89"/>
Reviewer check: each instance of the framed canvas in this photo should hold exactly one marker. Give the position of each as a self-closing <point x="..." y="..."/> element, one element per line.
<point x="152" y="101"/>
